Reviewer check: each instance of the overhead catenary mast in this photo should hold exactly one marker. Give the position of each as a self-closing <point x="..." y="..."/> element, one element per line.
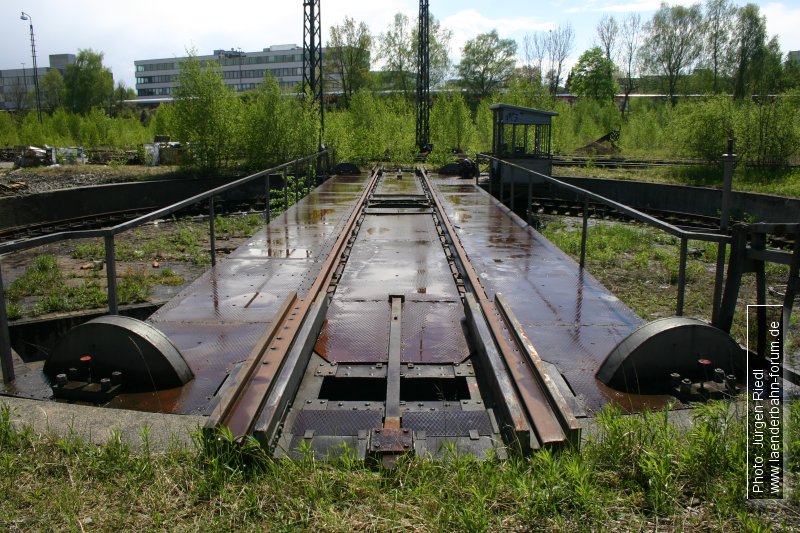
<point x="312" y="56"/>
<point x="423" y="79"/>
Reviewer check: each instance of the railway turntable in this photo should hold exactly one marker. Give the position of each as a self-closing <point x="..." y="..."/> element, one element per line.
<point x="386" y="313"/>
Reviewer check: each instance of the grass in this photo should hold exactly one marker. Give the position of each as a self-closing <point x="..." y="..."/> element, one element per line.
<point x="635" y="473"/>
<point x="50" y="290"/>
<point x="640" y="265"/>
<point x="777" y="181"/>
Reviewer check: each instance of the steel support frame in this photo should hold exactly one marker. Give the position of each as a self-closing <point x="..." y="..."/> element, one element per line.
<point x="423" y="77"/>
<point x="312" y="56"/>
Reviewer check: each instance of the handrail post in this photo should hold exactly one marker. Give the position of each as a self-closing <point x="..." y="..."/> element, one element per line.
<point x="511" y="202"/>
<point x="268" y="198"/>
<point x="584" y="230"/>
<point x="728" y="165"/>
<point x="6" y="361"/>
<point x="681" y="277"/>
<point x="285" y="190"/>
<point x="111" y="275"/>
<point x="530" y="198"/>
<point x="212" y="241"/>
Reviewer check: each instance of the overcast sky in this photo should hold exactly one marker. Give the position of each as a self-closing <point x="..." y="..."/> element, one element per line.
<point x="127" y="31"/>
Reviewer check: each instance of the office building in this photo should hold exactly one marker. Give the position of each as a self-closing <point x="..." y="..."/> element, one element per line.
<point x="17" y="83"/>
<point x="242" y="71"/>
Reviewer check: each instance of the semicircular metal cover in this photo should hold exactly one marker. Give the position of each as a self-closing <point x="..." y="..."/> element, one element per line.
<point x="146" y="357"/>
<point x="644" y="360"/>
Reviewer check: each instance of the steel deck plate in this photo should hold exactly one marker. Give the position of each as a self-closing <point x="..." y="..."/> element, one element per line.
<point x="571" y="319"/>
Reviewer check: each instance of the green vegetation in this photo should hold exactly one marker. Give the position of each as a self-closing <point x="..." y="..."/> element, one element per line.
<point x="778" y="181"/>
<point x="640" y="265"/>
<point x="45" y="287"/>
<point x="633" y="472"/>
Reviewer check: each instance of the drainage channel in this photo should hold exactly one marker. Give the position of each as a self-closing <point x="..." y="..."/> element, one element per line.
<point x="396" y="349"/>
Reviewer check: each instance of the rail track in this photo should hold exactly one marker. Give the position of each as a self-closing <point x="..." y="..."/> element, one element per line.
<point x="295" y="387"/>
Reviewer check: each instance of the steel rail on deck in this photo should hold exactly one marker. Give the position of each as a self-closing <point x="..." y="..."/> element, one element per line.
<point x="240" y="409"/>
<point x="682" y="234"/>
<point x="550" y="418"/>
<point x="108" y="234"/>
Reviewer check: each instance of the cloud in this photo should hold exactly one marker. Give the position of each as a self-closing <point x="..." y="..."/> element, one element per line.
<point x="624" y="7"/>
<point x="782" y="20"/>
<point x="468" y="23"/>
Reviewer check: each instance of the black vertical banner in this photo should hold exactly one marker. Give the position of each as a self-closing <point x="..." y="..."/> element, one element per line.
<point x="765" y="407"/>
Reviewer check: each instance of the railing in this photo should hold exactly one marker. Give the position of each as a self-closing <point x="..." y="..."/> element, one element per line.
<point x="684" y="235"/>
<point x="320" y="161"/>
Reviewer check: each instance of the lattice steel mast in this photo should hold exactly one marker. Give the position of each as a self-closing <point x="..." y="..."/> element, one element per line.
<point x="312" y="56"/>
<point x="423" y="78"/>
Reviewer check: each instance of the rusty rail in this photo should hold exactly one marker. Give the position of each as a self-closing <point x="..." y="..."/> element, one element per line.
<point x="544" y="412"/>
<point x="241" y="407"/>
<point x="108" y="234"/>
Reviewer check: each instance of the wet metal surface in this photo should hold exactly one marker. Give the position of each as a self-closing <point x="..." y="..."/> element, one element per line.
<point x="218" y="319"/>
<point x="572" y="320"/>
<point x="395" y="254"/>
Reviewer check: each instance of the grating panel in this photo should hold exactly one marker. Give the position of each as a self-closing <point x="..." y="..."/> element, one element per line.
<point x="335" y="422"/>
<point x="449" y="423"/>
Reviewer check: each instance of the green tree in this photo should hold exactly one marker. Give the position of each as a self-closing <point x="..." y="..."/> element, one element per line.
<point x="53" y="90"/>
<point x="88" y="83"/>
<point x="279" y="128"/>
<point x="205" y="114"/>
<point x="487" y="61"/>
<point x="673" y="44"/>
<point x="593" y="76"/>
<point x="349" y="56"/>
<point x="398" y="48"/>
<point x="451" y="126"/>
<point x="757" y="62"/>
<point x="719" y="17"/>
<point x="438" y="51"/>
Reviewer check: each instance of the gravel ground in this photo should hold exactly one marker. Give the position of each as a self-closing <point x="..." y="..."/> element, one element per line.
<point x="25" y="181"/>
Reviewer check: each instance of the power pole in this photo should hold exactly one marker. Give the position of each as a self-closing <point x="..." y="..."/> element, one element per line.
<point x="312" y="57"/>
<point x="423" y="79"/>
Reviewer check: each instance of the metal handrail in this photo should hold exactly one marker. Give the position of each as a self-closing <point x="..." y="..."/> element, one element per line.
<point x="625" y="209"/>
<point x="685" y="235"/>
<point x="108" y="234"/>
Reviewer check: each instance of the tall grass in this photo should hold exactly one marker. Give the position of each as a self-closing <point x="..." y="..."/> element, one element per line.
<point x="633" y="473"/>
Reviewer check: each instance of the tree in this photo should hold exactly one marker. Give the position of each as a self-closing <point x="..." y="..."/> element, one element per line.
<point x="719" y="15"/>
<point x="673" y="43"/>
<point x="487" y="61"/>
<point x="397" y="51"/>
<point x="593" y="76"/>
<point x="205" y="113"/>
<point x="534" y="46"/>
<point x="631" y="43"/>
<point x="756" y="70"/>
<point x="560" y="42"/>
<point x="53" y="90"/>
<point x="438" y="51"/>
<point x="398" y="48"/>
<point x="607" y="33"/>
<point x="349" y="55"/>
<point x="88" y="83"/>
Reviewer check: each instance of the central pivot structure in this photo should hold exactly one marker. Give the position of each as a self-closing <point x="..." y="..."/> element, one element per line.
<point x="423" y="79"/>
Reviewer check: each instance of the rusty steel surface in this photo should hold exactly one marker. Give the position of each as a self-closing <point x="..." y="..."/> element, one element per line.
<point x="241" y="408"/>
<point x="533" y="396"/>
<point x="569" y="317"/>
<point x="217" y="320"/>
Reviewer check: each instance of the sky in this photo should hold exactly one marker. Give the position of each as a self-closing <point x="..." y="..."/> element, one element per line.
<point x="128" y="31"/>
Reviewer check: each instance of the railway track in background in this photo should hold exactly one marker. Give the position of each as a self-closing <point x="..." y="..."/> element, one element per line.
<point x="540" y="206"/>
